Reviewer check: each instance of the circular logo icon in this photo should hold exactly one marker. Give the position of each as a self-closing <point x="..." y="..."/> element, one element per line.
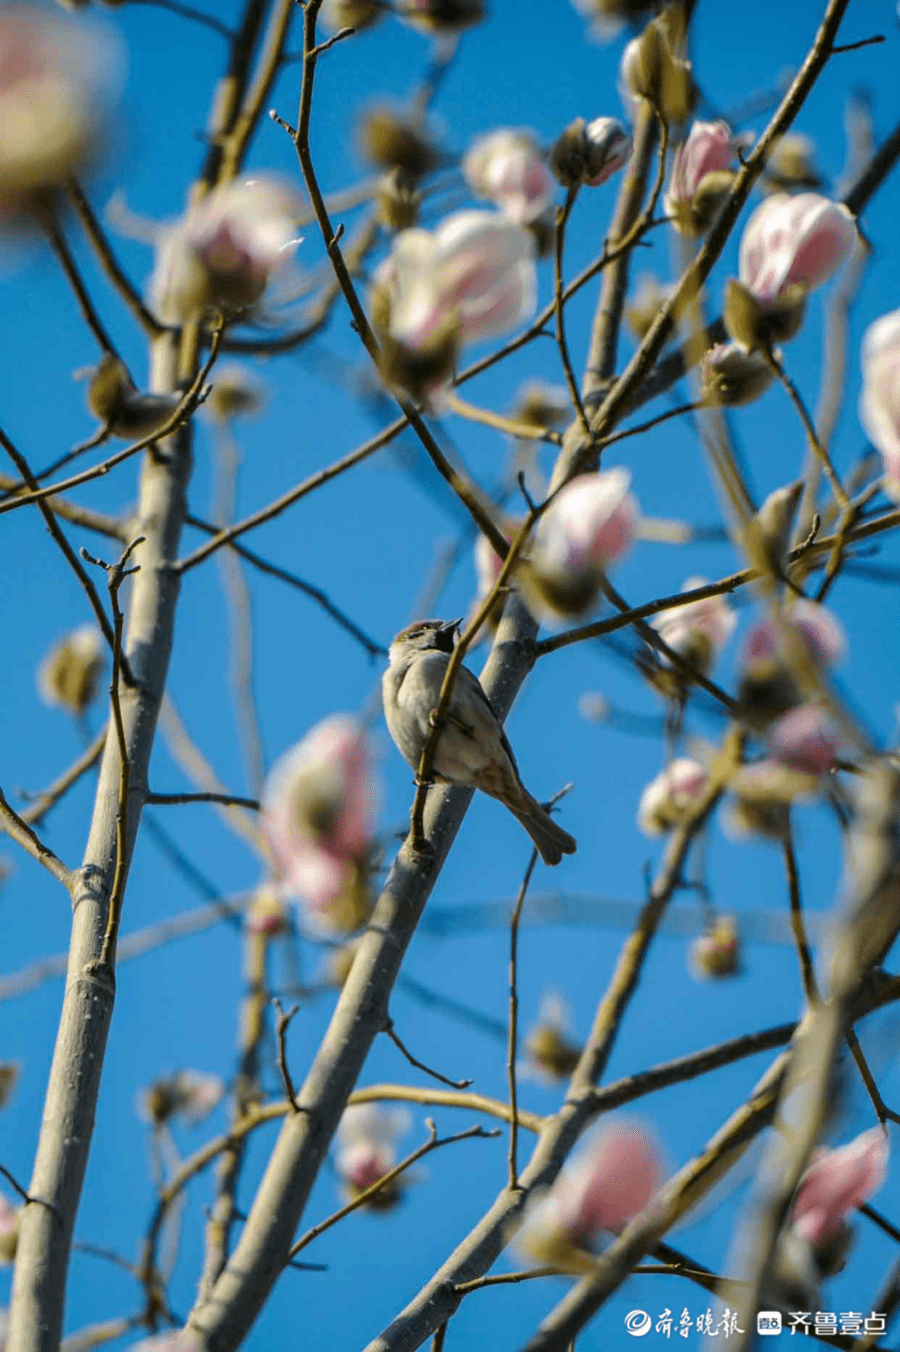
<point x="637" y="1323"/>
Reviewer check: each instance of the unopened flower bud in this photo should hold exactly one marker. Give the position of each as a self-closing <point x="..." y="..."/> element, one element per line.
<point x="398" y="200"/>
<point x="774" y="522"/>
<point x="541" y="405"/>
<point x="768" y="686"/>
<point x="367" y="1135"/>
<point x="589" y="525"/>
<point x="69" y="675"/>
<point x="701" y="177"/>
<point x="608" y="17"/>
<point x="645" y="303"/>
<point x="590" y="152"/>
<point x="654" y="68"/>
<point x="358" y="14"/>
<point x="236" y="392"/>
<point x="549" y="1050"/>
<point x="732" y="375"/>
<point x="267" y="914"/>
<point x="393" y="142"/>
<point x="509" y="170"/>
<point x="121" y="407"/>
<point x="440" y="17"/>
<point x="753" y="323"/>
<point x="670" y="798"/>
<point x="792" y="164"/>
<point x="614" y="1175"/>
<point x="763" y="794"/>
<point x="717" y="952"/>
<point x="879" y="404"/>
<point x="9" y="1078"/>
<point x="699" y="630"/>
<point x="804" y="739"/>
<point x="189" y="1093"/>
<point x="790" y="241"/>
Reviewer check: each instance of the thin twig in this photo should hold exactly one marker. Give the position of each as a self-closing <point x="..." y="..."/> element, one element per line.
<point x="228" y="799"/>
<point x="433" y="1143"/>
<point x="19" y="831"/>
<point x="108" y="261"/>
<point x="420" y="1065"/>
<point x="562" y="216"/>
<point x="512" y="1044"/>
<point x="70" y="268"/>
<point x="281" y="1027"/>
<point x="807" y="969"/>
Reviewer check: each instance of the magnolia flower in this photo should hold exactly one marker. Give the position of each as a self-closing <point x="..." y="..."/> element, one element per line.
<point x="589" y="525"/>
<point x="487" y="569"/>
<point x="367" y="1135"/>
<point x="9" y="1230"/>
<point x="669" y="799"/>
<point x="225" y="250"/>
<point x="805" y="739"/>
<point x="474" y="272"/>
<point x="836" y="1183"/>
<point x="318" y="811"/>
<point x="550" y="1053"/>
<point x="190" y="1093"/>
<point x="699" y="630"/>
<point x="790" y="241"/>
<point x="700" y="176"/>
<point x="879" y="404"/>
<point x="653" y="67"/>
<point x="591" y="152"/>
<point x="53" y="79"/>
<point x="717" y="951"/>
<point x="507" y="168"/>
<point x="69" y="675"/>
<point x="616" y="1172"/>
<point x="732" y="376"/>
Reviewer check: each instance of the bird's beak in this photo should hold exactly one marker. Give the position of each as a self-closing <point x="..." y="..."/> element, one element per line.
<point x="446" y="635"/>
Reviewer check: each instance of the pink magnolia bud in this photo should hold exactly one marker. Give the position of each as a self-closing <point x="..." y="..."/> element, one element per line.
<point x="617" y="1170"/>
<point x="225" y="250"/>
<point x="267" y="915"/>
<point x="699" y="630"/>
<point x="189" y="1093"/>
<point x="317" y="818"/>
<point x="54" y="78"/>
<point x="879" y="404"/>
<point x="821" y="631"/>
<point x="732" y="376"/>
<point x="475" y="271"/>
<point x="804" y="739"/>
<point x="668" y="799"/>
<point x="798" y="240"/>
<point x="837" y="1182"/>
<point x="589" y="525"/>
<point x="367" y="1136"/>
<point x="700" y="176"/>
<point x="609" y="148"/>
<point x="507" y="168"/>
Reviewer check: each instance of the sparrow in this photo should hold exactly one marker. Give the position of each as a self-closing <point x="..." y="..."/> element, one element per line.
<point x="472" y="749"/>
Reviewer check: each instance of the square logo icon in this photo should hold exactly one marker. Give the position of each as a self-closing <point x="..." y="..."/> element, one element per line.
<point x="768" y="1322"/>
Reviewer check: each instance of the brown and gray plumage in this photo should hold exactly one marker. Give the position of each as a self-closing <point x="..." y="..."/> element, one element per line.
<point x="472" y="749"/>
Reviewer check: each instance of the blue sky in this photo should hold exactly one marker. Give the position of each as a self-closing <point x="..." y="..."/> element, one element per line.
<point x="370" y="539"/>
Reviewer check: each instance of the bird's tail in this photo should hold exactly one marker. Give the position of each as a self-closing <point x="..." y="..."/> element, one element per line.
<point x="551" y="840"/>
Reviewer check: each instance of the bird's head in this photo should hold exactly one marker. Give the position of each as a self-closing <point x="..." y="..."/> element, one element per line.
<point x="425" y="636"/>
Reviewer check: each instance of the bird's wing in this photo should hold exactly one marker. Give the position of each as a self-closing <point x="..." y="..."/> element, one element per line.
<point x="490" y="726"/>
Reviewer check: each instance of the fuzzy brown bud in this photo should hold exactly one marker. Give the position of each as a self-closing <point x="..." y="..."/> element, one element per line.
<point x="393" y="143"/>
<point x="398" y="200"/>
<point x="441" y="16"/>
<point x="731" y="376"/>
<point x="755" y="323"/>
